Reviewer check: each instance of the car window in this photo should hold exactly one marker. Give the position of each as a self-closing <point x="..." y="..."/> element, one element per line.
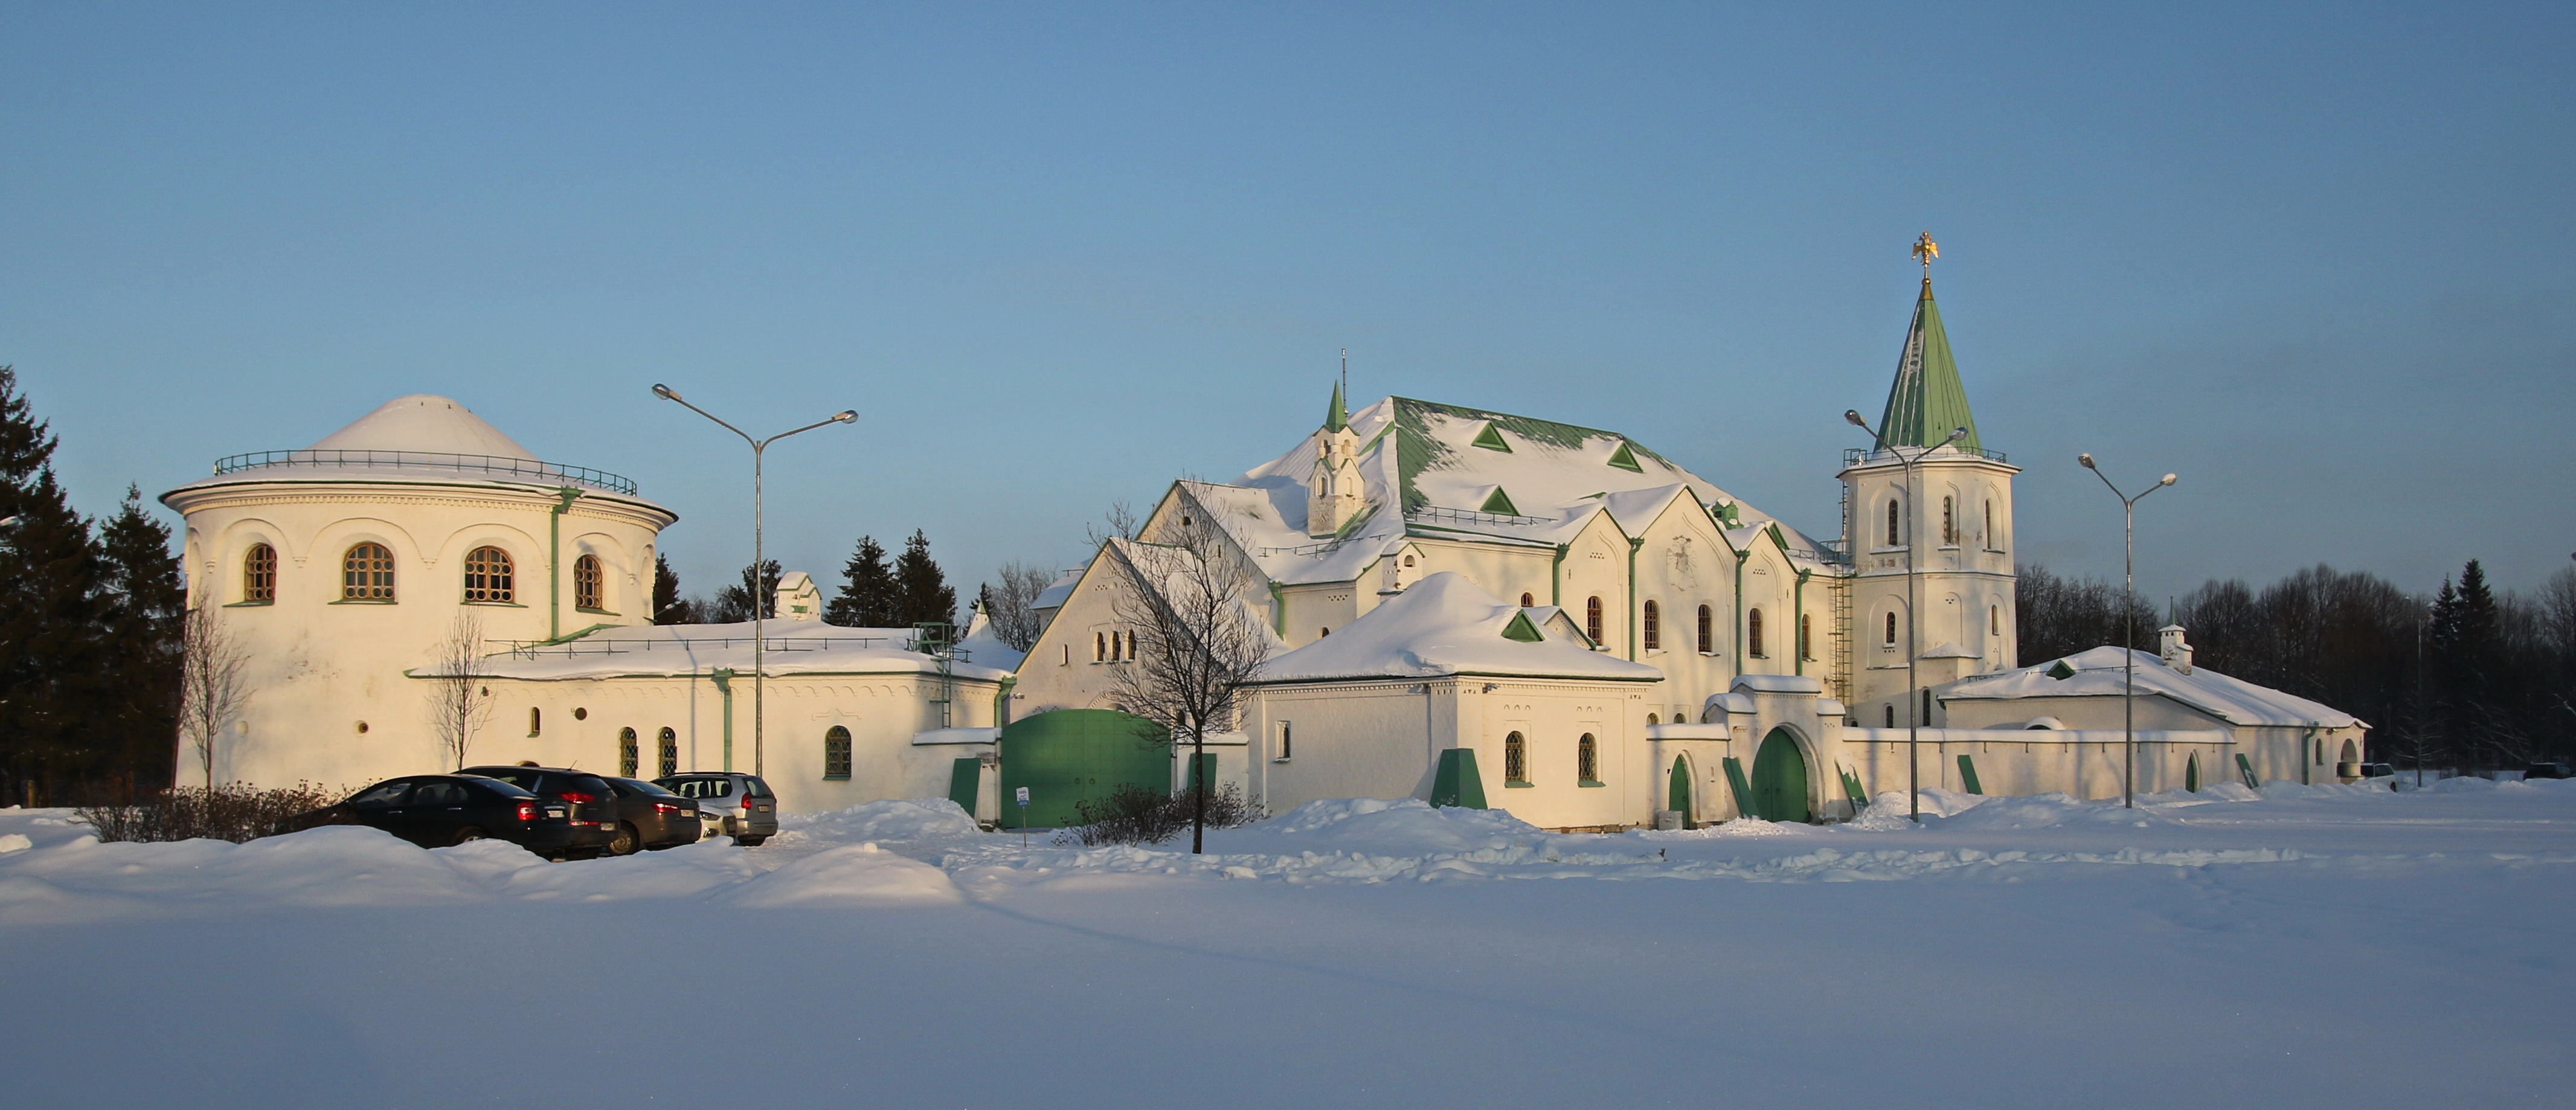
<point x="756" y="788"/>
<point x="383" y="795"/>
<point x="702" y="788"/>
<point x="437" y="794"/>
<point x="494" y="786"/>
<point x="524" y="780"/>
<point x="587" y="784"/>
<point x="635" y="788"/>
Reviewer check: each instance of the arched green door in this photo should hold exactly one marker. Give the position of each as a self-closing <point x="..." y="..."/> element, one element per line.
<point x="1678" y="795"/>
<point x="1780" y="779"/>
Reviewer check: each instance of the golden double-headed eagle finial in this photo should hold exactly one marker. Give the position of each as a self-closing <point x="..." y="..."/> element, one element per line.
<point x="1925" y="250"/>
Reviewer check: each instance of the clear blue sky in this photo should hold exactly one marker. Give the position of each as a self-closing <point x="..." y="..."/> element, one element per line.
<point x="2316" y="259"/>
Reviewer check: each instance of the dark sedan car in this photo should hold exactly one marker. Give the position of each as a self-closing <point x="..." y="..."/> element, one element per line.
<point x="649" y="817"/>
<point x="2549" y="771"/>
<point x="435" y="811"/>
<point x="593" y="804"/>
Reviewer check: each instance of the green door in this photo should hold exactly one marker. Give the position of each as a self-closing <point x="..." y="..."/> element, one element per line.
<point x="1069" y="756"/>
<point x="1780" y="779"/>
<point x="1677" y="796"/>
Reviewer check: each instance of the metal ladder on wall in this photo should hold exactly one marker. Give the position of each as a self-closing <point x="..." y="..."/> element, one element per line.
<point x="1839" y="679"/>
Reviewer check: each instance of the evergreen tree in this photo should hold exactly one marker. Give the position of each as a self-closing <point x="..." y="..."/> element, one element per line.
<point x="668" y="606"/>
<point x="50" y="607"/>
<point x="2470" y="690"/>
<point x="137" y="718"/>
<point x="867" y="598"/>
<point x="733" y="605"/>
<point x="922" y="592"/>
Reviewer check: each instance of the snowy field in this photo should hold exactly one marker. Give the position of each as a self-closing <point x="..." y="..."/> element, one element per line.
<point x="2305" y="947"/>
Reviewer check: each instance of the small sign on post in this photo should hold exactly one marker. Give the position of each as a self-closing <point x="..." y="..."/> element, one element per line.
<point x="1024" y="818"/>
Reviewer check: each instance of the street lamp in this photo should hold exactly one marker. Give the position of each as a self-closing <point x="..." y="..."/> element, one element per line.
<point x="2129" y="627"/>
<point x="1913" y="605"/>
<point x="758" y="587"/>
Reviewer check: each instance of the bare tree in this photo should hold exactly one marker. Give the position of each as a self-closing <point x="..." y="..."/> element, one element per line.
<point x="1006" y="604"/>
<point x="455" y="708"/>
<point x="1119" y="523"/>
<point x="212" y="686"/>
<point x="1196" y="642"/>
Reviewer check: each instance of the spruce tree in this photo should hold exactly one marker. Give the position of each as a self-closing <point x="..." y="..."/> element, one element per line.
<point x="922" y="592"/>
<point x="137" y="716"/>
<point x="733" y="605"/>
<point x="668" y="606"/>
<point x="50" y="665"/>
<point x="867" y="597"/>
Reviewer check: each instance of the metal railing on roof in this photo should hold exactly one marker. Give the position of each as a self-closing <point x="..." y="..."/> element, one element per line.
<point x="1468" y="516"/>
<point x="1854" y="456"/>
<point x="548" y="649"/>
<point x="531" y="470"/>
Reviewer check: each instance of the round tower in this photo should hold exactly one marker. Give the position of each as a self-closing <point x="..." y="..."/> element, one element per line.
<point x="338" y="568"/>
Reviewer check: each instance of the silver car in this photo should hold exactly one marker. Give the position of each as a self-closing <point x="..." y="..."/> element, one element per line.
<point x="730" y="803"/>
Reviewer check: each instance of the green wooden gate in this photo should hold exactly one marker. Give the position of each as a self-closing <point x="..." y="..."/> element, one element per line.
<point x="1780" y="779"/>
<point x="1074" y="755"/>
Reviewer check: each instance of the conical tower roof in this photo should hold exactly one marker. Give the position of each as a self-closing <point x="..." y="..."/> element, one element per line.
<point x="1927" y="399"/>
<point x="1338" y="416"/>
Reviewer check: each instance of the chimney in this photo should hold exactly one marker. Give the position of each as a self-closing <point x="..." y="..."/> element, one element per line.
<point x="2177" y="654"/>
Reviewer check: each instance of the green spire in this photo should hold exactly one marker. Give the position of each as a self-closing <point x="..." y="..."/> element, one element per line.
<point x="1927" y="399"/>
<point x="1337" y="417"/>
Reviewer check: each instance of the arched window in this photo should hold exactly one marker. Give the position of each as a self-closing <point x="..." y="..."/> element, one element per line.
<point x="1592" y="618"/>
<point x="627" y="756"/>
<point x="589" y="585"/>
<point x="259" y="574"/>
<point x="1707" y="631"/>
<point x="1099" y="647"/>
<point x="1891" y="716"/>
<point x="1515" y="759"/>
<point x="1753" y="634"/>
<point x="536" y="720"/>
<point x="1949" y="522"/>
<point x="1652" y="720"/>
<point x="1994" y="620"/>
<point x="1806" y="644"/>
<point x="367" y="573"/>
<point x="1527" y="601"/>
<point x="1892" y="533"/>
<point x="1587" y="760"/>
<point x="669" y="756"/>
<point x="1131" y="644"/>
<point x="1654" y="627"/>
<point x="836" y="753"/>
<point x="1891" y="630"/>
<point x="488" y="576"/>
<point x="1408" y="560"/>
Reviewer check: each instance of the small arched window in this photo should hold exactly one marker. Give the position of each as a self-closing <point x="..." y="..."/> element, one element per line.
<point x="1131" y="645"/>
<point x="1515" y="759"/>
<point x="627" y="756"/>
<point x="1949" y="522"/>
<point x="536" y="720"/>
<point x="488" y="576"/>
<point x="367" y="573"/>
<point x="259" y="574"/>
<point x="1653" y="719"/>
<point x="1527" y="601"/>
<point x="1753" y="634"/>
<point x="1806" y="642"/>
<point x="1099" y="647"/>
<point x="589" y="584"/>
<point x="1707" y="631"/>
<point x="1990" y="526"/>
<point x="1892" y="533"/>
<point x="1408" y="560"/>
<point x="1891" y="716"/>
<point x="1891" y="630"/>
<point x="1592" y="618"/>
<point x="669" y="756"/>
<point x="836" y="753"/>
<point x="1654" y="627"/>
<point x="1994" y="620"/>
<point x="1587" y="759"/>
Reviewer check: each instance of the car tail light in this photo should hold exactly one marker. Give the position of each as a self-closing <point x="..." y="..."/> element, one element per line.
<point x="665" y="807"/>
<point x="527" y="811"/>
<point x="580" y="797"/>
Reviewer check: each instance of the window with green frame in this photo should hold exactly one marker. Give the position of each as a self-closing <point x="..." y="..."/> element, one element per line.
<point x="627" y="756"/>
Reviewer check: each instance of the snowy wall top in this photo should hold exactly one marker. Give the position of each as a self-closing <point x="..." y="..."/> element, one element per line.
<point x="2098" y="673"/>
<point x="673" y="650"/>
<point x="1446" y="625"/>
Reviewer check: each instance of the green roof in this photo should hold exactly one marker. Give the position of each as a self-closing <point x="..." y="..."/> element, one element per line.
<point x="1337" y="417"/>
<point x="1416" y="450"/>
<point x="1927" y="400"/>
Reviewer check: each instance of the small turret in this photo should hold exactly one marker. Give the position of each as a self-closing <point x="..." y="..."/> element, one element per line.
<point x="1333" y="490"/>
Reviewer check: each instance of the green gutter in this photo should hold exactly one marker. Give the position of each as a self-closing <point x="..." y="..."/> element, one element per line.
<point x="1279" y="609"/>
<point x="1740" y="558"/>
<point x="1002" y="701"/>
<point x="1633" y="544"/>
<point x="724" y="686"/>
<point x="1798" y="623"/>
<point x="1556" y="579"/>
<point x="564" y="497"/>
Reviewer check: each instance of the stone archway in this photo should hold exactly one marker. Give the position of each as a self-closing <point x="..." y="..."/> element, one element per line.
<point x="1780" y="779"/>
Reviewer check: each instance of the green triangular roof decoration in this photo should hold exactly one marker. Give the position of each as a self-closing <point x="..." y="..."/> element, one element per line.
<point x="2060" y="671"/>
<point x="1521" y="629"/>
<point x="1491" y="439"/>
<point x="1499" y="502"/>
<point x="1337" y="417"/>
<point x="1927" y="400"/>
<point x="1625" y="459"/>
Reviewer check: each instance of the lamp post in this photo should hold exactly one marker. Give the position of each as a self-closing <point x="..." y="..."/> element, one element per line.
<point x="2128" y="627"/>
<point x="758" y="587"/>
<point x="1913" y="640"/>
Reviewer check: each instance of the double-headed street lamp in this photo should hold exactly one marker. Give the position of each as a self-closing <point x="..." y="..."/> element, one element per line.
<point x="1913" y="641"/>
<point x="759" y="585"/>
<point x="2129" y="627"/>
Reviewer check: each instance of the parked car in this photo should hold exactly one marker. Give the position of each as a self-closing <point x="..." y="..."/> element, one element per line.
<point x="593" y="805"/>
<point x="2378" y="770"/>
<point x="649" y="817"/>
<point x="736" y="805"/>
<point x="2549" y="771"/>
<point x="435" y="811"/>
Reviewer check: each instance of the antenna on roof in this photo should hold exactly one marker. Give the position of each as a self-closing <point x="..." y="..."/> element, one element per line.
<point x="1346" y="371"/>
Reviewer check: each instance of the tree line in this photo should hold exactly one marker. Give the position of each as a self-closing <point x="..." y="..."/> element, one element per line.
<point x="2464" y="678"/>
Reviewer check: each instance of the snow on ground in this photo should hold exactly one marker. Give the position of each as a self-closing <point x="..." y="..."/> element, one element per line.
<point x="2297" y="946"/>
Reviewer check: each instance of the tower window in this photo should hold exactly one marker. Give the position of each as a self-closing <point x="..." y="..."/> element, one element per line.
<point x="1892" y="533"/>
<point x="1806" y="643"/>
<point x="669" y="756"/>
<point x="488" y="576"/>
<point x="1527" y="601"/>
<point x="1515" y="759"/>
<point x="1891" y="630"/>
<point x="836" y="753"/>
<point x="1654" y="627"/>
<point x="1707" y="631"/>
<point x="367" y="573"/>
<point x="626" y="753"/>
<point x="259" y="574"/>
<point x="1753" y="634"/>
<point x="1994" y="620"/>
<point x="1592" y="618"/>
<point x="589" y="585"/>
<point x="1949" y="522"/>
<point x="1990" y="526"/>
<point x="1587" y="759"/>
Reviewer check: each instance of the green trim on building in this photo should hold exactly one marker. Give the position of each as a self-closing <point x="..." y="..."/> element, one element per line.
<point x="1202" y="771"/>
<point x="1735" y="781"/>
<point x="1499" y="502"/>
<point x="1851" y="787"/>
<point x="965" y="781"/>
<point x="2245" y="768"/>
<point x="1927" y="400"/>
<point x="1625" y="459"/>
<point x="1522" y="630"/>
<point x="1968" y="774"/>
<point x="723" y="678"/>
<point x="1491" y="439"/>
<point x="1455" y="782"/>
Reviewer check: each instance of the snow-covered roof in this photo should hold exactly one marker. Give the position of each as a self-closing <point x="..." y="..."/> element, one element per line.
<point x="985" y="648"/>
<point x="419" y="438"/>
<point x="423" y="422"/>
<point x="665" y="650"/>
<point x="2098" y="673"/>
<point x="1446" y="625"/>
<point x="1444" y="470"/>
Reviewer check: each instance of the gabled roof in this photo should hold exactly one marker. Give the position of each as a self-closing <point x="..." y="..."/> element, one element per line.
<point x="1446" y="625"/>
<point x="1927" y="400"/>
<point x="2098" y="673"/>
